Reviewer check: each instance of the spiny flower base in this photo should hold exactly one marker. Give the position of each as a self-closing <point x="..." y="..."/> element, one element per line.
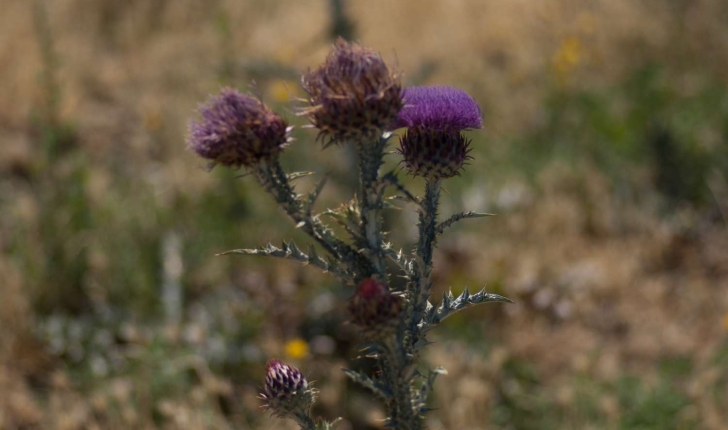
<point x="434" y="154"/>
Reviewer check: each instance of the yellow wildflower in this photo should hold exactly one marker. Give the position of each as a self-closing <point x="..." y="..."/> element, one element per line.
<point x="296" y="348"/>
<point x="568" y="55"/>
<point x="567" y="58"/>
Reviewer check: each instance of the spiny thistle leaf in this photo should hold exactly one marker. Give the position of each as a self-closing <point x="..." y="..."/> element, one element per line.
<point x="434" y="315"/>
<point x="429" y="309"/>
<point x="457" y="217"/>
<point x="446" y="300"/>
<point x="391" y="180"/>
<point x="423" y="342"/>
<point x="347" y="216"/>
<point x="389" y="205"/>
<point x="426" y="388"/>
<point x="366" y="382"/>
<point x="399" y="258"/>
<point x="312" y="253"/>
<point x="313" y="195"/>
<point x="398" y="197"/>
<point x="291" y="251"/>
<point x="297" y="175"/>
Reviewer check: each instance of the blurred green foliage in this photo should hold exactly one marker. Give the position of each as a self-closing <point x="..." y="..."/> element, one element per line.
<point x="525" y="403"/>
<point x="647" y="122"/>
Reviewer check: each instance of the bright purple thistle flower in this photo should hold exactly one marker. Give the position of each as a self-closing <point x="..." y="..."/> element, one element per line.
<point x="438" y="108"/>
<point x="236" y="130"/>
<point x="433" y="146"/>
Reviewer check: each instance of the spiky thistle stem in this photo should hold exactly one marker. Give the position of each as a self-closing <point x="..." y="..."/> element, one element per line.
<point x="397" y="372"/>
<point x="420" y="285"/>
<point x="370" y="202"/>
<point x="305" y="422"/>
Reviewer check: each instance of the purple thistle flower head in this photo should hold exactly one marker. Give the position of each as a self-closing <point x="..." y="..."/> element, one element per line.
<point x="438" y="108"/>
<point x="236" y="130"/>
<point x="354" y="95"/>
<point x="286" y="391"/>
<point x="433" y="146"/>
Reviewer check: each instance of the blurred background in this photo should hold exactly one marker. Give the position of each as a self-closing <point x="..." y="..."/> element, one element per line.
<point x="604" y="154"/>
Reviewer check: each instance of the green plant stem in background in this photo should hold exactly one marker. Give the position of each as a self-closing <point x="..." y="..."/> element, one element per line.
<point x="370" y="202"/>
<point x="341" y="24"/>
<point x="48" y="78"/>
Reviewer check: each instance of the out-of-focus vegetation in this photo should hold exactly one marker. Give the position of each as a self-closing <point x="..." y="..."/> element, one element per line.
<point x="605" y="156"/>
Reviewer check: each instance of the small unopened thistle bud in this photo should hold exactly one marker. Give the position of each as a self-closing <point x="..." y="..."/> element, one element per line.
<point x="237" y="129"/>
<point x="433" y="146"/>
<point x="374" y="309"/>
<point x="354" y="95"/>
<point x="287" y="392"/>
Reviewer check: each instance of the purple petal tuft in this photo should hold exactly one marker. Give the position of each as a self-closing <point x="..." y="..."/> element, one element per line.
<point x="237" y="129"/>
<point x="354" y="95"/>
<point x="438" y="108"/>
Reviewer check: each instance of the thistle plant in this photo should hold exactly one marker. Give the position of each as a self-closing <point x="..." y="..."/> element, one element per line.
<point x="355" y="98"/>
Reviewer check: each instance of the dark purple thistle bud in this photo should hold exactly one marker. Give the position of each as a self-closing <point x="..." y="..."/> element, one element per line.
<point x="354" y="95"/>
<point x="237" y="129"/>
<point x="374" y="309"/>
<point x="286" y="392"/>
<point x="433" y="146"/>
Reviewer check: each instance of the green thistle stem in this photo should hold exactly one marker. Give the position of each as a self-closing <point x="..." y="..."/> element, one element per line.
<point x="428" y="221"/>
<point x="305" y="421"/>
<point x="395" y="364"/>
<point x="420" y="286"/>
<point x="370" y="202"/>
